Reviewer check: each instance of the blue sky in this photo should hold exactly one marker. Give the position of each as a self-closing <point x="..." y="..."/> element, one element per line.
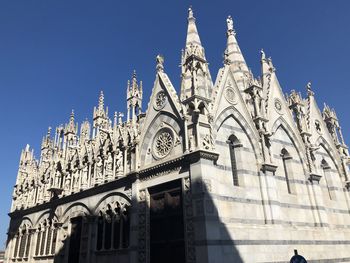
<point x="56" y="56"/>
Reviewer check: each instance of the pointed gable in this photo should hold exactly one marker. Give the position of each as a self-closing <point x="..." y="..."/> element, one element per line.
<point x="163" y="119"/>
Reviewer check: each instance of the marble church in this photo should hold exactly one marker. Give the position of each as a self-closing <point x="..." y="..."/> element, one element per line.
<point x="222" y="170"/>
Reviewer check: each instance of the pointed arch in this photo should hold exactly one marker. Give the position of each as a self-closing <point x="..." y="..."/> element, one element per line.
<point x="162" y="119"/>
<point x="322" y="142"/>
<point x="115" y="196"/>
<point x="281" y="123"/>
<point x="232" y="112"/>
<point x="46" y="215"/>
<point x="74" y="209"/>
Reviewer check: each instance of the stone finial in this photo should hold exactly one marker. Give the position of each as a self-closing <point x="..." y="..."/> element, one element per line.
<point x="120" y="118"/>
<point x="71" y="119"/>
<point x="309" y="90"/>
<point x="160" y="62"/>
<point x="262" y="54"/>
<point x="49" y="131"/>
<point x="27" y="147"/>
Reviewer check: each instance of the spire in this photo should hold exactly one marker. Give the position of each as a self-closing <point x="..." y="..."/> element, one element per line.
<point x="71" y="127"/>
<point x="233" y="54"/>
<point x="46" y="141"/>
<point x="196" y="79"/>
<point x="192" y="32"/>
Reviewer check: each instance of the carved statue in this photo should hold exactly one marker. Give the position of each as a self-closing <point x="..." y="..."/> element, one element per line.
<point x="119" y="162"/>
<point x="109" y="164"/>
<point x="67" y="182"/>
<point x="99" y="169"/>
<point x="229" y="23"/>
<point x="85" y="175"/>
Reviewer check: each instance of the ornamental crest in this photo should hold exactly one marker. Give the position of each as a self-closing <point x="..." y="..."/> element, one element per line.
<point x="160" y="100"/>
<point x="230" y="95"/>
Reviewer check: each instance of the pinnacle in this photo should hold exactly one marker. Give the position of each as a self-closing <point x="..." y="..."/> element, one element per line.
<point x="72" y="116"/>
<point x="101" y="101"/>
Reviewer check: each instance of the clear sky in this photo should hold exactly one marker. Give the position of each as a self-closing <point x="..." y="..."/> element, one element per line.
<point x="56" y="56"/>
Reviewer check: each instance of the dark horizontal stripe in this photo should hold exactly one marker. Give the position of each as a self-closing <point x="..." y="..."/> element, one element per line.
<point x="328" y="260"/>
<point x="230" y="127"/>
<point x="282" y="142"/>
<point x="258" y="221"/>
<point x="280" y="178"/>
<point x="271" y="202"/>
<point x="266" y="242"/>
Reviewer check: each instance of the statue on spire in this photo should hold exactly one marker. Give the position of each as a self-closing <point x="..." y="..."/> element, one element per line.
<point x="229" y="22"/>
<point x="190" y="13"/>
<point x="160" y="62"/>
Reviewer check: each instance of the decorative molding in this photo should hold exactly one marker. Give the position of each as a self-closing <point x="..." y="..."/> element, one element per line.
<point x="230" y="95"/>
<point x="143" y="227"/>
<point x="188" y="218"/>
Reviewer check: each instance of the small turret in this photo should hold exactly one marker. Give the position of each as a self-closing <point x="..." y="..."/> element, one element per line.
<point x="100" y="117"/>
<point x="134" y="98"/>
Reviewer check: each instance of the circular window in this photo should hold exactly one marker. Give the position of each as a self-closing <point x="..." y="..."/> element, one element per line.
<point x="230" y="95"/>
<point x="163" y="143"/>
<point x="160" y="100"/>
<point x="278" y="106"/>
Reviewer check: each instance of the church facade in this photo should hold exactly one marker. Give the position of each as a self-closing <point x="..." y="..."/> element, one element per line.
<point x="224" y="171"/>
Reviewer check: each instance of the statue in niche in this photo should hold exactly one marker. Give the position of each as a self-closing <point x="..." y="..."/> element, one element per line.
<point x="40" y="193"/>
<point x="76" y="179"/>
<point x="85" y="175"/>
<point x="99" y="169"/>
<point x="67" y="182"/>
<point x="109" y="165"/>
<point x="30" y="195"/>
<point x="57" y="182"/>
<point x="119" y="162"/>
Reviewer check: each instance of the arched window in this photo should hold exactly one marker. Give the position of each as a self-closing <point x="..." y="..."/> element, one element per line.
<point x="113" y="227"/>
<point x="22" y="242"/>
<point x="234" y="143"/>
<point x="43" y="239"/>
<point x="285" y="158"/>
<point x="326" y="173"/>
<point x="15" y="251"/>
<point x="46" y="238"/>
<point x="38" y="239"/>
<point x="99" y="232"/>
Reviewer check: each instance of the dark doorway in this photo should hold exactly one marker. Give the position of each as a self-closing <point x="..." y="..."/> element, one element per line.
<point x="74" y="244"/>
<point x="166" y="223"/>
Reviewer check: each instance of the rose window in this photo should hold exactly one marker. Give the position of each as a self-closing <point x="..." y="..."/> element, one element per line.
<point x="163" y="143"/>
